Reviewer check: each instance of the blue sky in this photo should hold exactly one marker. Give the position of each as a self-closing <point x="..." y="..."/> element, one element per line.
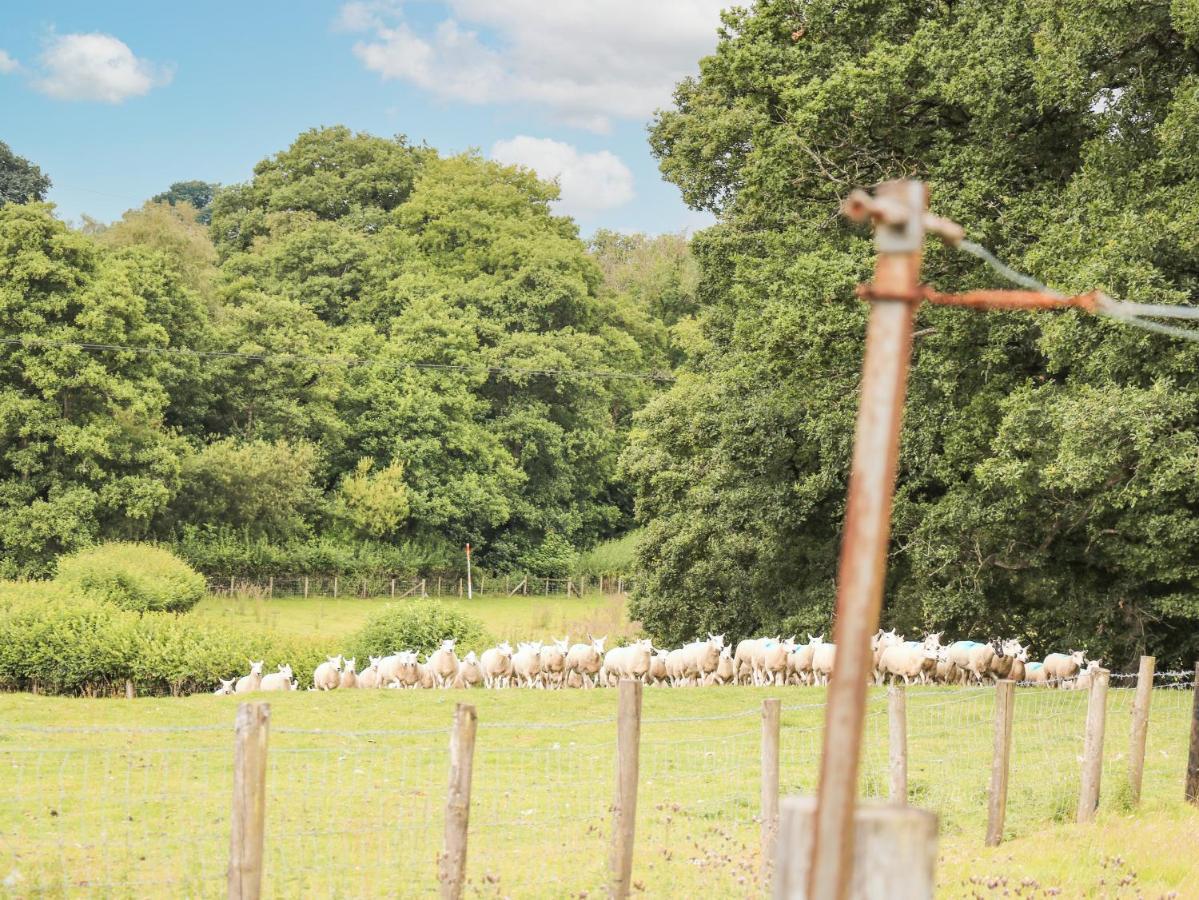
<point x="116" y="100"/>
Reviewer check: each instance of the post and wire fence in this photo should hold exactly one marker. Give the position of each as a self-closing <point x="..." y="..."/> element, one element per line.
<point x="401" y="587"/>
<point x="626" y="802"/>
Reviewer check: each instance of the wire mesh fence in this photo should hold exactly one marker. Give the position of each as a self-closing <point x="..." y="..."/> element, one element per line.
<point x="405" y="586"/>
<point x="146" y="812"/>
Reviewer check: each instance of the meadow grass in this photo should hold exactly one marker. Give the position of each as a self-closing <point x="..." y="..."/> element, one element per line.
<point x="504" y="617"/>
<point x="131" y="798"/>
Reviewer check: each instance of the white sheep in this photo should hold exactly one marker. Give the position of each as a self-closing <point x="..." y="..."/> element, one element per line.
<point x="496" y="664"/>
<point x="586" y="660"/>
<point x="725" y="668"/>
<point x="470" y="674"/>
<point x="772" y="663"/>
<point x="1035" y="673"/>
<point x="369" y="677"/>
<point x="800" y="662"/>
<point x="389" y="668"/>
<point x="278" y="681"/>
<point x="973" y="658"/>
<point x="553" y="663"/>
<point x="225" y="689"/>
<point x="907" y="661"/>
<point x="1087" y="675"/>
<point x="526" y="664"/>
<point x="252" y="682"/>
<point x="824" y="657"/>
<point x="627" y="662"/>
<point x="443" y="664"/>
<point x="1061" y="666"/>
<point x="327" y="676"/>
<point x="349" y="674"/>
<point x="657" y="668"/>
<point x="879" y="642"/>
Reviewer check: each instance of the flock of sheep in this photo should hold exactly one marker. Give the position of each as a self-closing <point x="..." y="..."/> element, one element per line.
<point x="757" y="661"/>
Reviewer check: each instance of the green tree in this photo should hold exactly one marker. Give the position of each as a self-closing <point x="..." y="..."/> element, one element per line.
<point x="20" y="180"/>
<point x="197" y="195"/>
<point x="1038" y="492"/>
<point x="83" y="448"/>
<point x="374" y="503"/>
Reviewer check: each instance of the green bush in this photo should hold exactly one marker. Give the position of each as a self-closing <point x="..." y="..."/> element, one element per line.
<point x="59" y="643"/>
<point x="420" y="626"/>
<point x="612" y="557"/>
<point x="138" y="577"/>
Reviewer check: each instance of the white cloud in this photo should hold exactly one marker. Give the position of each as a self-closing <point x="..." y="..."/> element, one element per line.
<point x="589" y="182"/>
<point x="96" y="67"/>
<point x="7" y="63"/>
<point x="589" y="62"/>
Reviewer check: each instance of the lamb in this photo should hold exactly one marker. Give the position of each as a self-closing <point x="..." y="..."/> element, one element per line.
<point x="327" y="676"/>
<point x="496" y="664"/>
<point x="349" y="674"/>
<point x="1005" y="659"/>
<point x="586" y="660"/>
<point x="526" y="664"/>
<point x="1019" y="671"/>
<point x="411" y="674"/>
<point x="1060" y="666"/>
<point x="553" y="663"/>
<point x="800" y="663"/>
<point x="252" y="682"/>
<point x="469" y="672"/>
<point x="824" y="657"/>
<point x="947" y="670"/>
<point x="389" y="668"/>
<point x="701" y="658"/>
<point x="725" y="668"/>
<point x="675" y="666"/>
<point x="226" y="688"/>
<point x="443" y="664"/>
<point x="369" y="677"/>
<point x="278" y="681"/>
<point x="744" y="657"/>
<point x="424" y="673"/>
<point x="973" y="658"/>
<point x="1087" y="676"/>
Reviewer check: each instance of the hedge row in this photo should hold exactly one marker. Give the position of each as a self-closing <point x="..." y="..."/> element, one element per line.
<point x="56" y="641"/>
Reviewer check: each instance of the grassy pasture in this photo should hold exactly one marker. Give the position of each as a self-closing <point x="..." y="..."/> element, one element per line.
<point x="513" y="618"/>
<point x="125" y="798"/>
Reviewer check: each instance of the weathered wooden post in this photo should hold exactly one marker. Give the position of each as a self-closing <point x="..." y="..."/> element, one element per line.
<point x="270" y="586"/>
<point x="1092" y="754"/>
<point x="894" y="856"/>
<point x="1001" y="755"/>
<point x="249" y="801"/>
<point x="457" y="804"/>
<point x="1140" y="728"/>
<point x="771" y="714"/>
<point x="897" y="719"/>
<point x="305" y="587"/>
<point x="1192" y="781"/>
<point x="334" y="587"/>
<point x="624" y="807"/>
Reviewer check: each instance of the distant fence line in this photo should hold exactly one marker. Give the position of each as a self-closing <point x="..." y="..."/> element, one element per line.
<point x="400" y="587"/>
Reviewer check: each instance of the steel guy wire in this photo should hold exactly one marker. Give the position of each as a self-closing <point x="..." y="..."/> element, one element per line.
<point x="1139" y="315"/>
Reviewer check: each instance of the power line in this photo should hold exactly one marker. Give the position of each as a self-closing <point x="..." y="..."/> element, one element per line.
<point x="346" y="361"/>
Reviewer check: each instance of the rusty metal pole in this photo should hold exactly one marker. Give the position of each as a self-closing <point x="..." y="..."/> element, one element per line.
<point x="899" y="239"/>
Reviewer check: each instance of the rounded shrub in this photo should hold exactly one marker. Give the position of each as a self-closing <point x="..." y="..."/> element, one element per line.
<point x="137" y="577"/>
<point x="419" y="626"/>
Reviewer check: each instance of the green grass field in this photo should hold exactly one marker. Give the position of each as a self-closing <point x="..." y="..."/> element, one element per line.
<point x="131" y="798"/>
<point x="505" y="618"/>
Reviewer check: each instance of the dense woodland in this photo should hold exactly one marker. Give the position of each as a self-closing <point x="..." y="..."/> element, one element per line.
<point x="446" y="357"/>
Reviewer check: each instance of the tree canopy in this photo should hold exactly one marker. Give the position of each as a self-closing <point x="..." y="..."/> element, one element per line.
<point x="20" y="180"/>
<point x="382" y="344"/>
<point x="1047" y="466"/>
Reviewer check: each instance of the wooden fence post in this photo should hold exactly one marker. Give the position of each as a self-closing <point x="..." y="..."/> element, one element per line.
<point x="1092" y="754"/>
<point x="438" y="585"/>
<point x="423" y="590"/>
<point x="459" y="587"/>
<point x="305" y="587"/>
<point x="231" y="583"/>
<point x="457" y="804"/>
<point x="771" y="712"/>
<point x="897" y="716"/>
<point x="624" y="808"/>
<point x="249" y="800"/>
<point x="1140" y="728"/>
<point x="894" y="851"/>
<point x="393" y="589"/>
<point x="129" y="691"/>
<point x="1192" y="782"/>
<point x="334" y="587"/>
<point x="1001" y="755"/>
